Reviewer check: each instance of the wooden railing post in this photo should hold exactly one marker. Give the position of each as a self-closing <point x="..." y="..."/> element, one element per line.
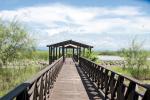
<point x="23" y="95"/>
<point x="131" y="88"/>
<point x="146" y="95"/>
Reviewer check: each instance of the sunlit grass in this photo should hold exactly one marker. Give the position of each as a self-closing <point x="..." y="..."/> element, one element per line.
<point x="121" y="70"/>
<point x="144" y="75"/>
<point x="11" y="77"/>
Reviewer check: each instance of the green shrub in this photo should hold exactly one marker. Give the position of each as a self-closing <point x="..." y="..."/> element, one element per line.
<point x="91" y="55"/>
<point x="14" y="41"/>
<point x="136" y="60"/>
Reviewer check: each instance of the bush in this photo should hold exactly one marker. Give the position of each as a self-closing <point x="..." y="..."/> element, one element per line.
<point x="91" y="55"/>
<point x="136" y="60"/>
<point x="14" y="41"/>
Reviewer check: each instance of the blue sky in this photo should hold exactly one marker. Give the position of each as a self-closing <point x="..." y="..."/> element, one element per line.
<point x="105" y="24"/>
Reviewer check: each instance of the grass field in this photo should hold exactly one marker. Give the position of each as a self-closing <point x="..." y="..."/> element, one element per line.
<point x="19" y="71"/>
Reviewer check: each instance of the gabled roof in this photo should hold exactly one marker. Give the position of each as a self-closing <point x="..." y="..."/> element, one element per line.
<point x="70" y="46"/>
<point x="70" y="42"/>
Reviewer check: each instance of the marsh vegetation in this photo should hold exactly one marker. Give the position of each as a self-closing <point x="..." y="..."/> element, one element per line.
<point x="19" y="59"/>
<point x="135" y="61"/>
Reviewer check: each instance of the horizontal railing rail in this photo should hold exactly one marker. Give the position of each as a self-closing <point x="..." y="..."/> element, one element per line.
<point x="38" y="87"/>
<point x="114" y="85"/>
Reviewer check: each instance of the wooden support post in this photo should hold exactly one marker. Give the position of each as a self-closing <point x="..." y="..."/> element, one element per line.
<point x="49" y="56"/>
<point x="59" y="51"/>
<point x="73" y="51"/>
<point x="79" y="51"/>
<point x="83" y="51"/>
<point x="56" y="53"/>
<point x="63" y="53"/>
<point x="90" y="50"/>
<point x="66" y="52"/>
<point x="53" y="53"/>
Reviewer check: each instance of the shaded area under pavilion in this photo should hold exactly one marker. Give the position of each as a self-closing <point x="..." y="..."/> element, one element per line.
<point x="61" y="49"/>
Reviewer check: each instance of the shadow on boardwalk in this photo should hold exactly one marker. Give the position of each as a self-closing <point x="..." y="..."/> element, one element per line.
<point x="91" y="89"/>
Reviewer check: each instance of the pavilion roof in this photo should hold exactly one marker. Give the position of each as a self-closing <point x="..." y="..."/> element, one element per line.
<point x="70" y="43"/>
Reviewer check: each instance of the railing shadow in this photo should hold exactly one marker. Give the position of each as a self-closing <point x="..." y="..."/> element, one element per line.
<point x="91" y="89"/>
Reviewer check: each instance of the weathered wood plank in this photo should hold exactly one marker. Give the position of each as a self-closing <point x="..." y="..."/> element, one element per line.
<point x="69" y="85"/>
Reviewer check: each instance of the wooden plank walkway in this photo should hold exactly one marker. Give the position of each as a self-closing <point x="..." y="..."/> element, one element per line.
<point x="68" y="85"/>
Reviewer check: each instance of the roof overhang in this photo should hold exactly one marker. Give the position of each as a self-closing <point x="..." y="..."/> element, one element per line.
<point x="70" y="43"/>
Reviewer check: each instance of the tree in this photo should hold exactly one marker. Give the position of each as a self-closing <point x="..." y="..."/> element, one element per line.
<point x="135" y="57"/>
<point x="14" y="41"/>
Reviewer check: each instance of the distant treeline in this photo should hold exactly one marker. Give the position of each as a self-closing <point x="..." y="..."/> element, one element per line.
<point x="116" y="53"/>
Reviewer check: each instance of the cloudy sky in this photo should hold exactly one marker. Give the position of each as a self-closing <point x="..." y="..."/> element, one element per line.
<point x="105" y="24"/>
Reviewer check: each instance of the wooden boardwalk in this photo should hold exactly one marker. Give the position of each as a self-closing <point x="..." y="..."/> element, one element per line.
<point x="68" y="85"/>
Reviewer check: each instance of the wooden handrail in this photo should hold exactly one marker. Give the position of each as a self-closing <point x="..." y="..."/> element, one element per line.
<point x="38" y="86"/>
<point x="113" y="84"/>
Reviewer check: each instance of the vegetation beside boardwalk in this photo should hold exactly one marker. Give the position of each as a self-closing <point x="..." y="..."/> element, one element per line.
<point x="18" y="71"/>
<point x="11" y="77"/>
<point x="19" y="59"/>
<point x="136" y="64"/>
<point x="136" y="61"/>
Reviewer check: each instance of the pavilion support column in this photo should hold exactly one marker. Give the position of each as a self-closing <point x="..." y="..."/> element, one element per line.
<point x="66" y="52"/>
<point x="79" y="51"/>
<point x="56" y="53"/>
<point x="53" y="53"/>
<point x="83" y="51"/>
<point x="59" y="51"/>
<point x="63" y="51"/>
<point x="72" y="51"/>
<point x="49" y="55"/>
<point x="90" y="50"/>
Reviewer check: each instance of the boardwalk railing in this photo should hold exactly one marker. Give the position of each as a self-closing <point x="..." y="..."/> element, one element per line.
<point x="75" y="57"/>
<point x="112" y="84"/>
<point x="38" y="88"/>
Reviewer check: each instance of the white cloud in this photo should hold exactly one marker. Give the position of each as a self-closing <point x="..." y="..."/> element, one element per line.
<point x="57" y="19"/>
